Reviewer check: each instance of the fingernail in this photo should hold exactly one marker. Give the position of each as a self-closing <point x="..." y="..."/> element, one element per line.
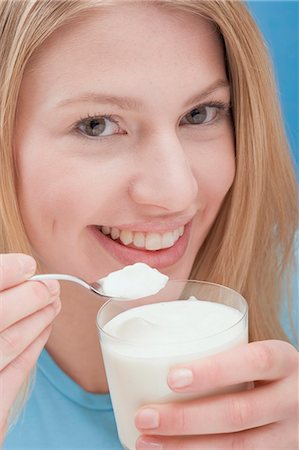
<point x="53" y="286"/>
<point x="27" y="264"/>
<point x="147" y="418"/>
<point x="179" y="378"/>
<point x="148" y="444"/>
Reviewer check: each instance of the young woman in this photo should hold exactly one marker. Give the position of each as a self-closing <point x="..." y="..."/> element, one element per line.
<point x="122" y="122"/>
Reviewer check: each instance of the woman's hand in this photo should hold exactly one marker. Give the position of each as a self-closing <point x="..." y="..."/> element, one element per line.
<point x="262" y="418"/>
<point x="27" y="310"/>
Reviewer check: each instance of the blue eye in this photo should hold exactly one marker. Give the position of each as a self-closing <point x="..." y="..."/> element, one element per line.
<point x="98" y="126"/>
<point x="201" y="115"/>
<point x="205" y="114"/>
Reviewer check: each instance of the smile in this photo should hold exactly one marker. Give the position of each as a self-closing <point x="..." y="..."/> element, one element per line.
<point x="157" y="249"/>
<point x="146" y="241"/>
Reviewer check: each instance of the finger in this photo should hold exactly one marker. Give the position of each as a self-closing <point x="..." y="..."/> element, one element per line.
<point x="20" y="301"/>
<point x="264" y="360"/>
<point x="15" y="339"/>
<point x="15" y="268"/>
<point x="230" y="413"/>
<point x="270" y="436"/>
<point x="14" y="375"/>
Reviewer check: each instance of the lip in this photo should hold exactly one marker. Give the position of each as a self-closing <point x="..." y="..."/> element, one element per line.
<point x="157" y="259"/>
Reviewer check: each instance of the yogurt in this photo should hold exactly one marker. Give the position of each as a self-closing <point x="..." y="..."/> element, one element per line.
<point x="133" y="281"/>
<point x="140" y="345"/>
<point x="170" y="324"/>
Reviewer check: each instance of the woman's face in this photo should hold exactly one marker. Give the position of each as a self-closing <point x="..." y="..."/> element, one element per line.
<point x="123" y="123"/>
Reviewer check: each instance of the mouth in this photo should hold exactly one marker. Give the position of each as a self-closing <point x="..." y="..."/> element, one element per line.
<point x="143" y="241"/>
<point x="155" y="249"/>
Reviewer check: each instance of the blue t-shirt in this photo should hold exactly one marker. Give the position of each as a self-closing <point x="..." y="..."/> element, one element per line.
<point x="61" y="415"/>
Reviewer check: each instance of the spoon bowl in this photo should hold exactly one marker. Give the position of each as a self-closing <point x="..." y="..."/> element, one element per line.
<point x="129" y="283"/>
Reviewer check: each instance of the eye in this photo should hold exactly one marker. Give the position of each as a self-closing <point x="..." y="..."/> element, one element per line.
<point x="98" y="126"/>
<point x="203" y="114"/>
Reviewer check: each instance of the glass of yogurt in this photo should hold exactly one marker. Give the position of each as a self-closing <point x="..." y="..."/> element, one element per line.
<point x="142" y="339"/>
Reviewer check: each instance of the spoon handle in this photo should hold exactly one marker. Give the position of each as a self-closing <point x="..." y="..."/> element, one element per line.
<point x="60" y="276"/>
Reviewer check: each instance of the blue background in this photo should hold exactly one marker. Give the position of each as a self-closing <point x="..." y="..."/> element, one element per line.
<point x="278" y="21"/>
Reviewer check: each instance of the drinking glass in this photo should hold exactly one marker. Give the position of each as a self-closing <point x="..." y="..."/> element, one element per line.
<point x="137" y="368"/>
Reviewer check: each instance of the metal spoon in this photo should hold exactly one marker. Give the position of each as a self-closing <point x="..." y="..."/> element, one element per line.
<point x="95" y="287"/>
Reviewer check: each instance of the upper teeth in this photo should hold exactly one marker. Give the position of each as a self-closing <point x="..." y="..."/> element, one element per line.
<point x="149" y="241"/>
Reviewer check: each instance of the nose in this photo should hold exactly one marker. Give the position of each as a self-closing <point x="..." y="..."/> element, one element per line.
<point x="163" y="176"/>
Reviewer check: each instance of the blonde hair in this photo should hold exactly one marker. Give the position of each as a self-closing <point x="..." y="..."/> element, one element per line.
<point x="250" y="246"/>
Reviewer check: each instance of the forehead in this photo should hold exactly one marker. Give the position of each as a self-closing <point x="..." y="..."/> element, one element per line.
<point x="119" y="43"/>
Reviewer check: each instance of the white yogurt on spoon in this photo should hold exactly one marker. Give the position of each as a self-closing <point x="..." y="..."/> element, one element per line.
<point x="133" y="281"/>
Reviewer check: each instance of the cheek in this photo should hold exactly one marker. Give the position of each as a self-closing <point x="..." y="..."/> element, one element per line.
<point x="219" y="178"/>
<point x="46" y="191"/>
<point x="215" y="172"/>
<point x="66" y="195"/>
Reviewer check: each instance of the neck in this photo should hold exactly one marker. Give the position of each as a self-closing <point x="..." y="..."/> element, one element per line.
<point x="74" y="343"/>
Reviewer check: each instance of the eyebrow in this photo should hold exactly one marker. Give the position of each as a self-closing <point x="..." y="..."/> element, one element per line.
<point x="130" y="103"/>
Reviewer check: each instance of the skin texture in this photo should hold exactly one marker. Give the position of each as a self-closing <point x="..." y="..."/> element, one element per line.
<point x="157" y="172"/>
<point x="161" y="170"/>
<point x="157" y="169"/>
